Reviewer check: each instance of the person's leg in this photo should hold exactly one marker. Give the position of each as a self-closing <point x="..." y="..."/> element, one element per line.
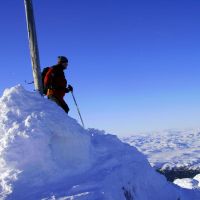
<point x="62" y="104"/>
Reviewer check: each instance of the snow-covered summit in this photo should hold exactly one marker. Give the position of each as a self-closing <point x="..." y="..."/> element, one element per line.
<point x="45" y="154"/>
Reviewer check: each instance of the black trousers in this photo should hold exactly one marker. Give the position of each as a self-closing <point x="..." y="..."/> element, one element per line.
<point x="62" y="104"/>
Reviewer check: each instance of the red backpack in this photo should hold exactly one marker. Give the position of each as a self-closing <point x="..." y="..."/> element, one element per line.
<point x="43" y="74"/>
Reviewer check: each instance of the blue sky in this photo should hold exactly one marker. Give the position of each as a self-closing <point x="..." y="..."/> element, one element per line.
<point x="134" y="65"/>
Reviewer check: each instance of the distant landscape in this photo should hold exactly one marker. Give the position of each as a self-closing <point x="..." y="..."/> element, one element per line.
<point x="174" y="153"/>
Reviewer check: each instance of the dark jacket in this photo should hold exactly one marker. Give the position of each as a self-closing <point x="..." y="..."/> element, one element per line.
<point x="56" y="82"/>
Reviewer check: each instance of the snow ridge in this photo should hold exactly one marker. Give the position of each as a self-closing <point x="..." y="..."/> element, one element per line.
<point x="45" y="154"/>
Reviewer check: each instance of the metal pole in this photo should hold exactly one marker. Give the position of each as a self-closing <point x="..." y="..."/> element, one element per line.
<point x="78" y="110"/>
<point x="33" y="46"/>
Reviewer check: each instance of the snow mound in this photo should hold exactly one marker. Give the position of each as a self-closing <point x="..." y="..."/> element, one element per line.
<point x="189" y="183"/>
<point x="45" y="154"/>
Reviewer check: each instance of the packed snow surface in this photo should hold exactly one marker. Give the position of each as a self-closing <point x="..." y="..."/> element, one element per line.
<point x="189" y="183"/>
<point x="45" y="154"/>
<point x="169" y="149"/>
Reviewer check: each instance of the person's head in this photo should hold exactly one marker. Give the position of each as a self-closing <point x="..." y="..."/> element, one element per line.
<point x="62" y="60"/>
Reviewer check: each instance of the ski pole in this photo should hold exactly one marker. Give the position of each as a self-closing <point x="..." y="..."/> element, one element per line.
<point x="77" y="109"/>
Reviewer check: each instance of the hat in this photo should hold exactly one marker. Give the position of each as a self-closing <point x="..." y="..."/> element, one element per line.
<point x="62" y="59"/>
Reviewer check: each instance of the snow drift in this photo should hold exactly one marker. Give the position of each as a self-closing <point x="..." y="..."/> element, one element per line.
<point x="45" y="154"/>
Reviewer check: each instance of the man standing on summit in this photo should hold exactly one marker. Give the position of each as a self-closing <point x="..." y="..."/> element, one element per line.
<point x="56" y="83"/>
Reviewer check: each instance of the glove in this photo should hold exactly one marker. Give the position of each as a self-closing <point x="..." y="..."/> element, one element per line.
<point x="70" y="88"/>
